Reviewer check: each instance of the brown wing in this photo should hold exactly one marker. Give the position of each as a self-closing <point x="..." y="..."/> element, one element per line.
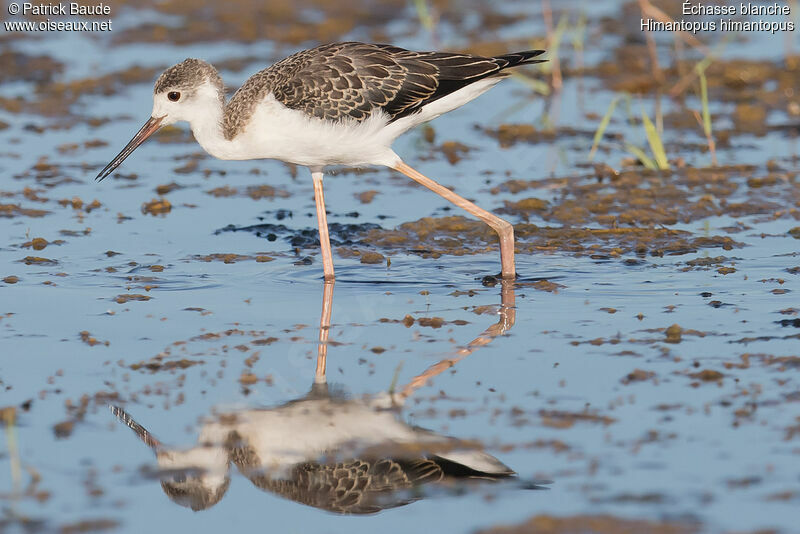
<point x="349" y="80"/>
<point x="352" y="487"/>
<point x="451" y="72"/>
<point x="343" y="80"/>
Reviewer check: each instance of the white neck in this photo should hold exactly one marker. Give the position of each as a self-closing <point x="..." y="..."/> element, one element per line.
<point x="207" y="129"/>
<point x="204" y="112"/>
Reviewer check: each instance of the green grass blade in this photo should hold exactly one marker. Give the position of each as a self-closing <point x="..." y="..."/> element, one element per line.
<point x="654" y="140"/>
<point x="704" y="101"/>
<point x="395" y="376"/>
<point x="641" y="156"/>
<point x="558" y="34"/>
<point x="580" y="33"/>
<point x="546" y="122"/>
<point x="601" y="128"/>
<point x="629" y="108"/>
<point x="8" y="416"/>
<point x="554" y="44"/>
<point x="703" y="64"/>
<point x="424" y="14"/>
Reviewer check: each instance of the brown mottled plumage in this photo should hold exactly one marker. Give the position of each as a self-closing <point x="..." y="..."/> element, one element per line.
<point x="349" y="80"/>
<point x="357" y="486"/>
<point x="374" y="479"/>
<point x="353" y="487"/>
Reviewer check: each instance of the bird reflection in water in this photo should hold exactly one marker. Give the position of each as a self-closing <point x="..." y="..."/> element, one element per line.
<point x="353" y="456"/>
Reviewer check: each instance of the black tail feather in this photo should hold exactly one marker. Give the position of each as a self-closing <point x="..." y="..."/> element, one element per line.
<point x="514" y="59"/>
<point x="450" y="73"/>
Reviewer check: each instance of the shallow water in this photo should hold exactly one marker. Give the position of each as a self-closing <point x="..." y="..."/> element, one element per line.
<point x="633" y="376"/>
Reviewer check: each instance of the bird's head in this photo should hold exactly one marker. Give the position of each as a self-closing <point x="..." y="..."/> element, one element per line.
<point x="183" y="92"/>
<point x="186" y="90"/>
<point x="196" y="478"/>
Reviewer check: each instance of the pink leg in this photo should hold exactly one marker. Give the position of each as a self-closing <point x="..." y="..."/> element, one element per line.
<point x="322" y="221"/>
<point x="324" y="329"/>
<point x="502" y="227"/>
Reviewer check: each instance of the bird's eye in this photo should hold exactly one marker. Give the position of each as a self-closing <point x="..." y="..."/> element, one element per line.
<point x="174" y="96"/>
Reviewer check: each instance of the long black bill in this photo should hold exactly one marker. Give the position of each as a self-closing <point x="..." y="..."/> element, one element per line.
<point x="149" y="128"/>
<point x="138" y="429"/>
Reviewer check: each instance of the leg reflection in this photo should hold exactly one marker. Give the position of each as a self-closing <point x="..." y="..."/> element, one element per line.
<point x="324" y="330"/>
<point x="345" y="455"/>
<point x="508" y="315"/>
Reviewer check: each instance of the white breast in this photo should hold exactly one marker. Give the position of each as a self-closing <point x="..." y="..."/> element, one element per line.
<point x="278" y="132"/>
<point x="307" y="430"/>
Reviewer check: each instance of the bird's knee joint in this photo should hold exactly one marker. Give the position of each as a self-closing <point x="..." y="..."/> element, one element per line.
<point x="505" y="228"/>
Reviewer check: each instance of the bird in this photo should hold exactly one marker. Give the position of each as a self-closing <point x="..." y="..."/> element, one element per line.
<point x="344" y="455"/>
<point x="336" y="104"/>
<point x="348" y="456"/>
